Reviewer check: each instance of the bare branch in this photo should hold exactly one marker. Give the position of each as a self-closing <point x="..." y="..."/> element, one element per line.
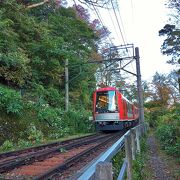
<point x="37" y="4"/>
<point x="99" y="3"/>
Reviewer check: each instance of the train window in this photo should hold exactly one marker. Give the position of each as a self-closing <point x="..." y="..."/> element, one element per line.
<point x="106" y="102"/>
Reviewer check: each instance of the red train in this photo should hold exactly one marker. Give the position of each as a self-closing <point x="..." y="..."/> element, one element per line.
<point x="112" y="111"/>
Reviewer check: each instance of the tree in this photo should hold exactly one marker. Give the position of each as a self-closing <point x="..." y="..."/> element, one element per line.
<point x="163" y="89"/>
<point x="171" y="45"/>
<point x="29" y="4"/>
<point x="34" y="44"/>
<point x="100" y="3"/>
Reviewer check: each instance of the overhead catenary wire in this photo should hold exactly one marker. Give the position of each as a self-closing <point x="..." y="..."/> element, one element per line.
<point x="112" y="22"/>
<point x="121" y="27"/>
<point x="118" y="23"/>
<point x="129" y="52"/>
<point x="121" y="22"/>
<point x="101" y="21"/>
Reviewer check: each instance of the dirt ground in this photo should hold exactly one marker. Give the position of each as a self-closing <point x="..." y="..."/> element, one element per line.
<point x="158" y="164"/>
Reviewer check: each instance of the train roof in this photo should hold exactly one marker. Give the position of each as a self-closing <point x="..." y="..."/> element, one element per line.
<point x="107" y="89"/>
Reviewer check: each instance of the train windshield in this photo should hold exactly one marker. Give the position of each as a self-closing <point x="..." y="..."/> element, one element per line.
<point x="106" y="102"/>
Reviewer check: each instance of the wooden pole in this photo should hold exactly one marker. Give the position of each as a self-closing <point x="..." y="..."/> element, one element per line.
<point x="66" y="86"/>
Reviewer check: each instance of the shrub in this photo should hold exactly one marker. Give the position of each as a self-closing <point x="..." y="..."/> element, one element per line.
<point x="168" y="136"/>
<point x="78" y="121"/>
<point x="10" y="101"/>
<point x="34" y="135"/>
<point x="7" y="145"/>
<point x="168" y="131"/>
<point x="153" y="116"/>
<point x="23" y="143"/>
<point x="140" y="161"/>
<point x="117" y="162"/>
<point x="53" y="97"/>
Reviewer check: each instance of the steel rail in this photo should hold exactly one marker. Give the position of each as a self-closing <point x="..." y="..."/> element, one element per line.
<point x="69" y="162"/>
<point x="89" y="170"/>
<point x="17" y="162"/>
<point x="37" y="148"/>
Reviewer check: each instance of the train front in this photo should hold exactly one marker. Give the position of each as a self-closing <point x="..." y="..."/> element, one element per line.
<point x="106" y="110"/>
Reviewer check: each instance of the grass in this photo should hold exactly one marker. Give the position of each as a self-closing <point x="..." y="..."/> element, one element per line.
<point x="139" y="164"/>
<point x="171" y="162"/>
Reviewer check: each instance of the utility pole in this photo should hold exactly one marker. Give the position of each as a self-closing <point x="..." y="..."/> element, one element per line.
<point x="139" y="87"/>
<point x="66" y="86"/>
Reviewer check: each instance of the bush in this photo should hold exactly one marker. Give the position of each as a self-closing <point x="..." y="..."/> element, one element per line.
<point x="10" y="101"/>
<point x="34" y="135"/>
<point x="117" y="162"/>
<point x="153" y="115"/>
<point x="168" y="136"/>
<point x="54" y="98"/>
<point x="140" y="161"/>
<point x="7" y="145"/>
<point x="168" y="131"/>
<point x="78" y="121"/>
<point x="23" y="143"/>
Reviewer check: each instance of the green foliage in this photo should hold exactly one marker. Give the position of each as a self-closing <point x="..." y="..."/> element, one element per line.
<point x="170" y="44"/>
<point x="169" y="138"/>
<point x="138" y="166"/>
<point x="140" y="161"/>
<point x="17" y="63"/>
<point x="49" y="115"/>
<point x="78" y="121"/>
<point x="12" y="127"/>
<point x="34" y="45"/>
<point x="23" y="143"/>
<point x="117" y="162"/>
<point x="152" y="116"/>
<point x="53" y="97"/>
<point x="34" y="135"/>
<point x="7" y="145"/>
<point x="62" y="150"/>
<point x="10" y="101"/>
<point x="168" y="131"/>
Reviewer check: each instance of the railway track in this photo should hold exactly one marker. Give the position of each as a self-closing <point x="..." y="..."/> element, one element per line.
<point x="51" y="160"/>
<point x="12" y="154"/>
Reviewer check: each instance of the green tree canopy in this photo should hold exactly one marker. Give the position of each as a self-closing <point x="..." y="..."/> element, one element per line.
<point x="171" y="31"/>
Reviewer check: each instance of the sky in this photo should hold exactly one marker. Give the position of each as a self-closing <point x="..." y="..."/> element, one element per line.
<point x="140" y="21"/>
<point x="148" y="18"/>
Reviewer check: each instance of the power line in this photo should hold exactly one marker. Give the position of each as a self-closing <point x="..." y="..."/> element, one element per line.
<point x="124" y="30"/>
<point x="121" y="22"/>
<point x="118" y="22"/>
<point x="112" y="22"/>
<point x="132" y="14"/>
<point x="97" y="13"/>
<point x="100" y="19"/>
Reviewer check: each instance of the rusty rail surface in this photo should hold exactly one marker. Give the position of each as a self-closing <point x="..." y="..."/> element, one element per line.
<point x="39" y="156"/>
